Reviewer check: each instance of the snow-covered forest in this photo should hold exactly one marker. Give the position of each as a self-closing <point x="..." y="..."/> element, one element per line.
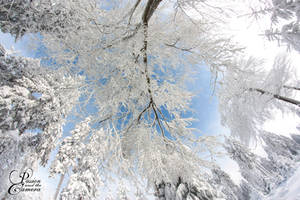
<point x="106" y="106"/>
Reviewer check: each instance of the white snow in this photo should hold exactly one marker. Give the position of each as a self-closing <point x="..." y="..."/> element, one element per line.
<point x="289" y="190"/>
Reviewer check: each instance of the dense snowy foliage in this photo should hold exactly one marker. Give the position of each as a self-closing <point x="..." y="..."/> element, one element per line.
<point x="84" y="159"/>
<point x="222" y="181"/>
<point x="282" y="152"/>
<point x="284" y="15"/>
<point x="33" y="99"/>
<point x="18" y="17"/>
<point x="262" y="175"/>
<point x="287" y="190"/>
<point x="136" y="71"/>
<point x="198" y="190"/>
<point x="248" y="94"/>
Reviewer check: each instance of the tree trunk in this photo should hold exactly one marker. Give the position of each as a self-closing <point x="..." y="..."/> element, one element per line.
<point x="276" y="96"/>
<point x="59" y="186"/>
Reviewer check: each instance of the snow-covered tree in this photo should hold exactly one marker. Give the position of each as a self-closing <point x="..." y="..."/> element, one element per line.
<point x="282" y="151"/>
<point x="296" y="138"/>
<point x="284" y="20"/>
<point x="82" y="158"/>
<point x="261" y="175"/>
<point x="15" y="152"/>
<point x="223" y="183"/>
<point x="34" y="102"/>
<point x="122" y="192"/>
<point x="137" y="56"/>
<point x="18" y="17"/>
<point x="198" y="189"/>
<point x="251" y="167"/>
<point x="248" y="95"/>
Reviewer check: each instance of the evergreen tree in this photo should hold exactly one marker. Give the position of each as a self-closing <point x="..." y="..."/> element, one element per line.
<point x="34" y="102"/>
<point x="80" y="156"/>
<point x="197" y="190"/>
<point x="284" y="18"/>
<point x="283" y="152"/>
<point x="223" y="183"/>
<point x="251" y="167"/>
<point x="261" y="175"/>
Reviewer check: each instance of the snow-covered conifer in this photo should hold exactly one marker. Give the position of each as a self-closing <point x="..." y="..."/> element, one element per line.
<point x="251" y="167"/>
<point x="198" y="190"/>
<point x="284" y="17"/>
<point x="78" y="152"/>
<point x="223" y="183"/>
<point x="34" y="102"/>
<point x="18" y="17"/>
<point x="283" y="152"/>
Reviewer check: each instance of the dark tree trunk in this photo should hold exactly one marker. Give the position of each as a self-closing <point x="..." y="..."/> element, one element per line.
<point x="276" y="96"/>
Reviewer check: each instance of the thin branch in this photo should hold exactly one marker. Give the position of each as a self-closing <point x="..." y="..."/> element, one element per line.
<point x="158" y="121"/>
<point x="163" y="117"/>
<point x="291" y="87"/>
<point x="180" y="48"/>
<point x="145" y="109"/>
<point x="105" y="119"/>
<point x="125" y="38"/>
<point x="133" y="10"/>
<point x="183" y="11"/>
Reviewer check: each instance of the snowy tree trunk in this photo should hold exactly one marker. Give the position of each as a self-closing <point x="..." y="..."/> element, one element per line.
<point x="276" y="96"/>
<point x="59" y="186"/>
<point x="290" y="87"/>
